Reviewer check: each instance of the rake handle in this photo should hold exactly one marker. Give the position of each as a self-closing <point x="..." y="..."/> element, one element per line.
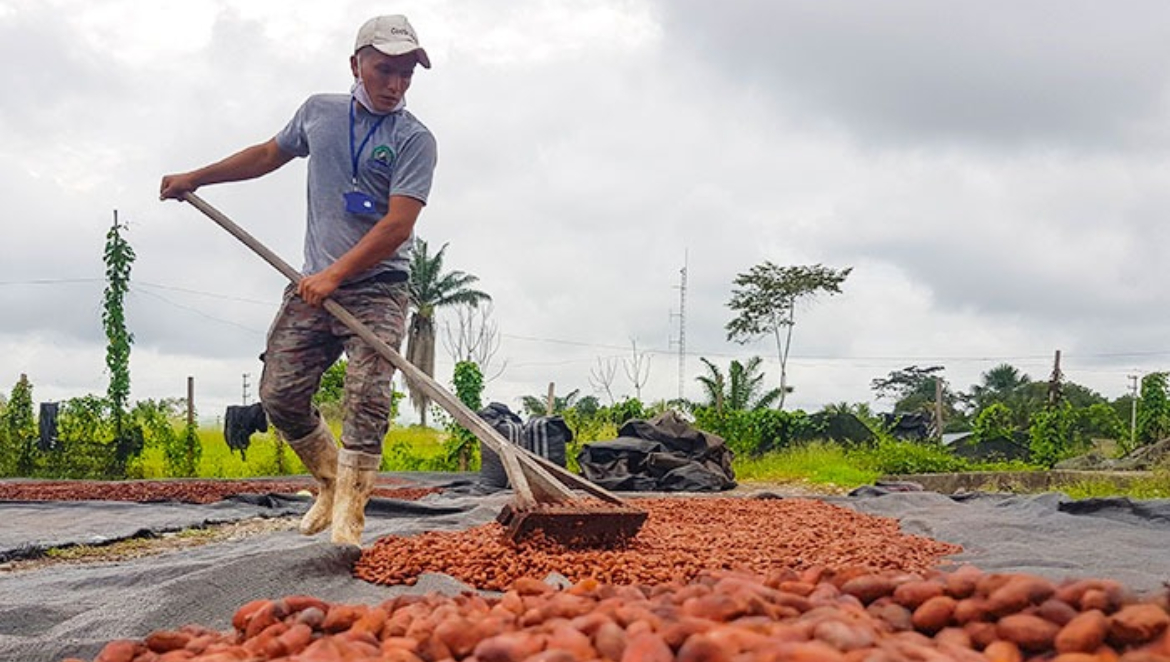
<point x="540" y="472"/>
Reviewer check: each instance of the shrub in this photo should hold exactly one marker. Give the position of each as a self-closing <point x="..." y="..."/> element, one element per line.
<point x="890" y="456"/>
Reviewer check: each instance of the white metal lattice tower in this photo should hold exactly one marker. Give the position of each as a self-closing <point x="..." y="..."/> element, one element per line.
<point x="682" y="327"/>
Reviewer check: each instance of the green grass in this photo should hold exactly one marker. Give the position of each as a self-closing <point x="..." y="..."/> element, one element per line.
<point x="407" y="449"/>
<point x="1156" y="486"/>
<point x="824" y="464"/>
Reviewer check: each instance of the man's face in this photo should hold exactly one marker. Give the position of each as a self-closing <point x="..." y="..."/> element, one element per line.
<point x="387" y="77"/>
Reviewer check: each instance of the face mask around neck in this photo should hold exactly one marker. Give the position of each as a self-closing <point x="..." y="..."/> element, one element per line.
<point x="358" y="91"/>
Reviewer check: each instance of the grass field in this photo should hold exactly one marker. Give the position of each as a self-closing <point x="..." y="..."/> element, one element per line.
<point x="823" y="464"/>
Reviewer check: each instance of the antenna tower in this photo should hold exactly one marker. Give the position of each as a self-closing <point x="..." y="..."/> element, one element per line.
<point x="682" y="327"/>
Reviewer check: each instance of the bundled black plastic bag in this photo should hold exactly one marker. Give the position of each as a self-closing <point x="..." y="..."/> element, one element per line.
<point x="547" y="436"/>
<point x="664" y="454"/>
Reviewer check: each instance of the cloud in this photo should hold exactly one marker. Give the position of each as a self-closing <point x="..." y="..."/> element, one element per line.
<point x="994" y="175"/>
<point x="1079" y="75"/>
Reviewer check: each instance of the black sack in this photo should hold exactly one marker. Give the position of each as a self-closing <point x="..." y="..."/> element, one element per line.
<point x="546" y="436"/>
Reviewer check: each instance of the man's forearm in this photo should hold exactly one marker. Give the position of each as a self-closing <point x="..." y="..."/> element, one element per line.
<point x="249" y="163"/>
<point x="381" y="242"/>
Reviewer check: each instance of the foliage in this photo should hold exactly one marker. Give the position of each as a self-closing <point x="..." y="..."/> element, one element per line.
<point x="1017" y="394"/>
<point x="431" y="289"/>
<point x="757" y="431"/>
<point x="1051" y="434"/>
<point x="332" y="387"/>
<point x="1100" y="420"/>
<point x="742" y="388"/>
<point x="892" y="457"/>
<point x="1153" y="413"/>
<point x="764" y="300"/>
<point x="416" y="448"/>
<point x="20" y="431"/>
<point x="914" y="390"/>
<point x="994" y="422"/>
<point x="535" y="405"/>
<point x="119" y="257"/>
<point x="626" y="410"/>
<point x="462" y="444"/>
<point x="155" y="418"/>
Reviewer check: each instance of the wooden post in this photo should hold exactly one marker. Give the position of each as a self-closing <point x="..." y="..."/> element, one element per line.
<point x="552" y="399"/>
<point x="191" y="401"/>
<point x="1054" y="380"/>
<point x="938" y="408"/>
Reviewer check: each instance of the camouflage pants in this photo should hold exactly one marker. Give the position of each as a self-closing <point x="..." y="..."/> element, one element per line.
<point x="304" y="341"/>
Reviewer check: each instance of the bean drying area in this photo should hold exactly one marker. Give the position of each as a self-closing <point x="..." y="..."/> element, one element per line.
<point x="885" y="573"/>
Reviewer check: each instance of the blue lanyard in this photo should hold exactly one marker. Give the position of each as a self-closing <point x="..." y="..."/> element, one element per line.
<point x="355" y="154"/>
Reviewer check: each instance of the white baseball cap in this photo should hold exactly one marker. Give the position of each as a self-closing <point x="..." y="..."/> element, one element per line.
<point x="392" y="35"/>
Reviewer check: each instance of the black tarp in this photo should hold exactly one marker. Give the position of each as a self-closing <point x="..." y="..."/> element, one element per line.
<point x="665" y="454"/>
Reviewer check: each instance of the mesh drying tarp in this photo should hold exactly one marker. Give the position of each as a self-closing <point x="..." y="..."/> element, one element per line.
<point x="62" y="611"/>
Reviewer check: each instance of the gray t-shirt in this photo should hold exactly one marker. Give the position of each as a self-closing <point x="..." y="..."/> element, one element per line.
<point x="398" y="159"/>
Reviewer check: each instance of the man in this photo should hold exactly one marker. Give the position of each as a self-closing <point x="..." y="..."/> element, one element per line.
<point x="369" y="174"/>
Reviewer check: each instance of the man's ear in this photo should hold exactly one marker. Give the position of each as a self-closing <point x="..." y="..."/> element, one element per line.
<point x="353" y="65"/>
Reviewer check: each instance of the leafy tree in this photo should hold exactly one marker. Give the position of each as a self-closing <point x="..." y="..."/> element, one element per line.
<point x="742" y="389"/>
<point x="1051" y="434"/>
<point x="1101" y="420"/>
<point x="913" y="390"/>
<point x="1153" y="413"/>
<point x="993" y="422"/>
<point x="1125" y="408"/>
<point x="1000" y="384"/>
<point x="764" y="300"/>
<point x="431" y="289"/>
<point x="20" y="430"/>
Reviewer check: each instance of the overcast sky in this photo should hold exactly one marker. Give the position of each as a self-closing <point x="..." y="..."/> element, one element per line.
<point x="995" y="173"/>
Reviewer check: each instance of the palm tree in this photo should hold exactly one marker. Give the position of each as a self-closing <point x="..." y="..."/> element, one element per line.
<point x="741" y="389"/>
<point x="431" y="289"/>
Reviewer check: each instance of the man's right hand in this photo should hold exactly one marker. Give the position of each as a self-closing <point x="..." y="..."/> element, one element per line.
<point x="174" y="186"/>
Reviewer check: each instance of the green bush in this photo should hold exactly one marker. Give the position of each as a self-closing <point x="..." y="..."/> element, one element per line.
<point x="891" y="456"/>
<point x="758" y="431"/>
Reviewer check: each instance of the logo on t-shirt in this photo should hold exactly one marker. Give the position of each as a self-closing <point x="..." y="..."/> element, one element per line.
<point x="382" y="157"/>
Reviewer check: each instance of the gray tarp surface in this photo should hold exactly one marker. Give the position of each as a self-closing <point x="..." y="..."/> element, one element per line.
<point x="46" y="615"/>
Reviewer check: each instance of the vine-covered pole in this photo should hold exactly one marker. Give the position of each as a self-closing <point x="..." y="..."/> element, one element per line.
<point x="119" y="257"/>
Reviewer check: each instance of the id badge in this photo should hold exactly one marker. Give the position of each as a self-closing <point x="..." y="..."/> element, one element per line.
<point x="357" y="202"/>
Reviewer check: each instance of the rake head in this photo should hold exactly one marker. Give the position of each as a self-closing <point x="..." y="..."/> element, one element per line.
<point x="573" y="526"/>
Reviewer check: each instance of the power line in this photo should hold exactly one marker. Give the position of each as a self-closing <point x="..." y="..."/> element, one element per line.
<point x="196" y="311"/>
<point x="51" y="281"/>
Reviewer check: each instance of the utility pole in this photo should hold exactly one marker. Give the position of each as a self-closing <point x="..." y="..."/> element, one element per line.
<point x="1133" y="389"/>
<point x="1054" y="381"/>
<point x="682" y="327"/>
<point x="246" y="375"/>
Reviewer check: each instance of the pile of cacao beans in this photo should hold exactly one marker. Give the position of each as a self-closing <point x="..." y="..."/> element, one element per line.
<point x="681" y="538"/>
<point x="720" y="616"/>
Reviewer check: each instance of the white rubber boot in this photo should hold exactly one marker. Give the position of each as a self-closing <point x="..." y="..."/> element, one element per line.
<point x="318" y="452"/>
<point x="356" y="472"/>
